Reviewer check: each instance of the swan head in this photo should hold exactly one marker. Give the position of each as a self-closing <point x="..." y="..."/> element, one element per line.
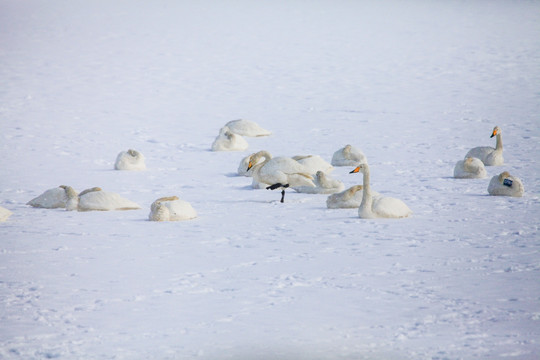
<point x="133" y="153"/>
<point x="90" y="190"/>
<point x="503" y="175"/>
<point x="73" y="198"/>
<point x="254" y="158"/>
<point x="496" y="131"/>
<point x="363" y="167"/>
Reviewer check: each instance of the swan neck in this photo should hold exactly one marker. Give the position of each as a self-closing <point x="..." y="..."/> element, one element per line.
<point x="366" y="196"/>
<point x="499" y="144"/>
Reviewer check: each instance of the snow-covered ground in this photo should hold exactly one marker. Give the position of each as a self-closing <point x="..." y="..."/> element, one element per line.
<point x="413" y="84"/>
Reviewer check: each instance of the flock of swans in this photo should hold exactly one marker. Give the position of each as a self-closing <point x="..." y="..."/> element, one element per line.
<point x="303" y="173"/>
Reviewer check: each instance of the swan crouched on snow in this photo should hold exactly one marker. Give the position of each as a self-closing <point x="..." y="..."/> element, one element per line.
<point x="470" y="168"/>
<point x="97" y="199"/>
<point x="130" y="160"/>
<point x="488" y="155"/>
<point x="505" y="184"/>
<point x="171" y="209"/>
<point x="247" y="128"/>
<point x="348" y="199"/>
<point x="324" y="184"/>
<point x="229" y="141"/>
<point x="51" y="199"/>
<point x="4" y="214"/>
<point x="348" y="156"/>
<point x="378" y="207"/>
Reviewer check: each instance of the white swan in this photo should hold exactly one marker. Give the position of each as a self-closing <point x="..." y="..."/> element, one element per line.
<point x="314" y="163"/>
<point x="130" y="160"/>
<point x="171" y="209"/>
<point x="4" y="214"/>
<point x="378" y="207"/>
<point x="276" y="170"/>
<point x="488" y="155"/>
<point x="348" y="156"/>
<point x="97" y="199"/>
<point x="470" y="168"/>
<point x="51" y="199"/>
<point x="247" y="128"/>
<point x="324" y="184"/>
<point x="229" y="141"/>
<point x="505" y="184"/>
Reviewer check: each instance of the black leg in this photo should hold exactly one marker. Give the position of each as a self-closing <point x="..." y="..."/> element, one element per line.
<point x="282" y="195"/>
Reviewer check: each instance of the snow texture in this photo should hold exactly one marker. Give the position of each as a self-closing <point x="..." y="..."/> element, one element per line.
<point x="414" y="84"/>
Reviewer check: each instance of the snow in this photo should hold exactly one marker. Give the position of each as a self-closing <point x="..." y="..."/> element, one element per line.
<point x="413" y="84"/>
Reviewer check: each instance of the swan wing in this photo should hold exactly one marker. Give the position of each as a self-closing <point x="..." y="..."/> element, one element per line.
<point x="105" y="201"/>
<point x="480" y="152"/>
<point x="247" y="128"/>
<point x="180" y="210"/>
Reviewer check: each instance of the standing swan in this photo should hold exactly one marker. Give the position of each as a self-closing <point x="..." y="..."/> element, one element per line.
<point x="505" y="184"/>
<point x="97" y="199"/>
<point x="130" y="160"/>
<point x="378" y="207"/>
<point x="171" y="209"/>
<point x="489" y="156"/>
<point x="470" y="168"/>
<point x="278" y="172"/>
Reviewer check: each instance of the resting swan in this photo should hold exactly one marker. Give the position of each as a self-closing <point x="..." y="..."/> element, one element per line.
<point x="130" y="160"/>
<point x="348" y="156"/>
<point x="247" y="128"/>
<point x="229" y="141"/>
<point x="378" y="207"/>
<point x="488" y="155"/>
<point x="347" y="199"/>
<point x="470" y="168"/>
<point x="171" y="209"/>
<point x="97" y="199"/>
<point x="324" y="184"/>
<point x="51" y="199"/>
<point x="505" y="184"/>
<point x="4" y="214"/>
<point x="314" y="163"/>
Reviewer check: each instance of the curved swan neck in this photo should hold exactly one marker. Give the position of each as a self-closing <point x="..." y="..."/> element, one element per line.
<point x="366" y="196"/>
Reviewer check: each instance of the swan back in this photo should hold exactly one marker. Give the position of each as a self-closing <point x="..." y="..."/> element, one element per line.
<point x="348" y="156"/>
<point x="324" y="184"/>
<point x="505" y="184"/>
<point x="347" y="199"/>
<point x="282" y="170"/>
<point x="95" y="199"/>
<point x="470" y="168"/>
<point x="247" y="128"/>
<point x="314" y="163"/>
<point x="51" y="199"/>
<point x="4" y="214"/>
<point x="171" y="209"/>
<point x="130" y="160"/>
<point x="229" y="141"/>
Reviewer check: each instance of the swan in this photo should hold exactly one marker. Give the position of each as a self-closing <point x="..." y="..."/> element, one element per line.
<point x="51" y="199"/>
<point x="470" y="168"/>
<point x="314" y="163"/>
<point x="97" y="199"/>
<point x="4" y="214"/>
<point x="130" y="160"/>
<point x="489" y="156"/>
<point x="171" y="209"/>
<point x="347" y="199"/>
<point x="247" y="128"/>
<point x="378" y="207"/>
<point x="324" y="184"/>
<point x="348" y="156"/>
<point x="505" y="184"/>
<point x="229" y="141"/>
<point x="279" y="170"/>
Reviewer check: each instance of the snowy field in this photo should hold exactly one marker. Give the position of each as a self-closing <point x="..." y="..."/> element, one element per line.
<point x="414" y="84"/>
